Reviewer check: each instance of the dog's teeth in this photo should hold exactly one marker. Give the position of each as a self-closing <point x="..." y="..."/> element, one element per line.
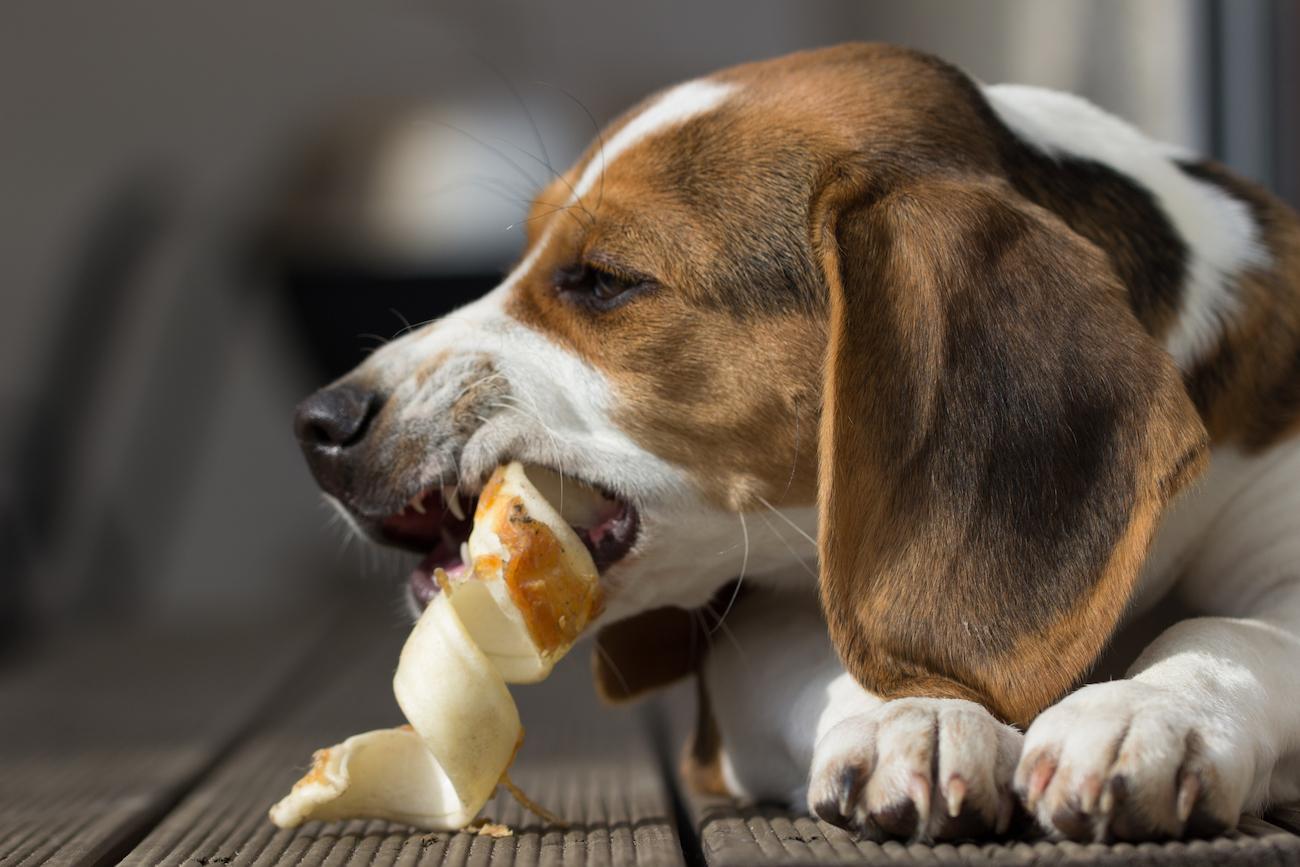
<point x="452" y="496"/>
<point x="417" y="504"/>
<point x="464" y="553"/>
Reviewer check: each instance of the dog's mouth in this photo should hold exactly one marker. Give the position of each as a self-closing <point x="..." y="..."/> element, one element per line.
<point x="438" y="521"/>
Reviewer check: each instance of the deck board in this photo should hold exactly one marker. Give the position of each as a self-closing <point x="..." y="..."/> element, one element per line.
<point x="101" y="732"/>
<point x="735" y="835"/>
<point x="593" y="766"/>
<point x="169" y="750"/>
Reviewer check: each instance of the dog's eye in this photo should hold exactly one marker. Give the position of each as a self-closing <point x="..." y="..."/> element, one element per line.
<point x="607" y="287"/>
<point x="596" y="287"/>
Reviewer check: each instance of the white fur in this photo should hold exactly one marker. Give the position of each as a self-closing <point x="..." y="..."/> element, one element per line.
<point x="675" y="106"/>
<point x="770" y="672"/>
<point x="1221" y="237"/>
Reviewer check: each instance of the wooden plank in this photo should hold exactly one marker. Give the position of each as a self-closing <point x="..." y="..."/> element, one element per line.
<point x="732" y="835"/>
<point x="101" y="732"/>
<point x="594" y="766"/>
<point x="735" y="835"/>
<point x="1287" y="817"/>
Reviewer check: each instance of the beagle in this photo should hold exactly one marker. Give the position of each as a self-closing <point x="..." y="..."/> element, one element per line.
<point x="919" y="390"/>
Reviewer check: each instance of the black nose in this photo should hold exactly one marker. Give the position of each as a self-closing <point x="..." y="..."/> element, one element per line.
<point x="335" y="416"/>
<point x="330" y="422"/>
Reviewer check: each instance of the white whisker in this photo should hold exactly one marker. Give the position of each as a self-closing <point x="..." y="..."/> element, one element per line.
<point x="786" y="518"/>
<point x="609" y="660"/>
<point x="735" y="642"/>
<point x="801" y="559"/>
<point x="482" y="380"/>
<point x="726" y="630"/>
<point x="744" y="564"/>
<point x="697" y="614"/>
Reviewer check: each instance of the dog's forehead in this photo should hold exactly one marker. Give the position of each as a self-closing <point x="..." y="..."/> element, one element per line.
<point x="643" y="192"/>
<point x="652" y="120"/>
<point x="704" y="185"/>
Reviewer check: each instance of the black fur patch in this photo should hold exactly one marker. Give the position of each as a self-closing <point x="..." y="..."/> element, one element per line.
<point x="1116" y="213"/>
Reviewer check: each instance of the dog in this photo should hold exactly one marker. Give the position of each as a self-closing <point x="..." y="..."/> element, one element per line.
<point x="956" y="380"/>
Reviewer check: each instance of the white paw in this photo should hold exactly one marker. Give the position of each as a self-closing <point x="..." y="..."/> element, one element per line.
<point x="922" y="768"/>
<point x="1131" y="761"/>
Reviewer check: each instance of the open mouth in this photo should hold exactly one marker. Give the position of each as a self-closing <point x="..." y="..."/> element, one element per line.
<point x="438" y="522"/>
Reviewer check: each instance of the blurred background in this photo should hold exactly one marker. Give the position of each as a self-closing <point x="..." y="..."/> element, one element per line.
<point x="211" y="209"/>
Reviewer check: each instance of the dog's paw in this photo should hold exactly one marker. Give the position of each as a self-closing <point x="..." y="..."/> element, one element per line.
<point x="1131" y="761"/>
<point x="922" y="768"/>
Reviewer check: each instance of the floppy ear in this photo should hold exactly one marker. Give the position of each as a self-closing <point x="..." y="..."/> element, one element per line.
<point x="647" y="652"/>
<point x="656" y="648"/>
<point x="998" y="438"/>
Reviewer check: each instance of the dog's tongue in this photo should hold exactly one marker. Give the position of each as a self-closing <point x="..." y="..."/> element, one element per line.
<point x="445" y="556"/>
<point x="423" y="585"/>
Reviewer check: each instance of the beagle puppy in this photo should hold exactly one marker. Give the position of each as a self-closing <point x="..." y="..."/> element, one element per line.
<point x="918" y="389"/>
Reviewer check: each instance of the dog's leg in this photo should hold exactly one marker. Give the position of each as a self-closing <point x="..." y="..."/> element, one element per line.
<point x="767" y="673"/>
<point x="1207" y="724"/>
<point x="796" y="727"/>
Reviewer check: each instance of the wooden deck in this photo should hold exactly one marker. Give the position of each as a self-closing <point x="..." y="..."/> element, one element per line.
<point x="168" y="748"/>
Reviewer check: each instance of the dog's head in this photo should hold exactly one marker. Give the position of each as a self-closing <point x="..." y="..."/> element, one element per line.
<point x="795" y="289"/>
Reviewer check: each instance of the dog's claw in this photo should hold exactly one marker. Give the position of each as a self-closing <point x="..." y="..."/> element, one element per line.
<point x="1006" y="807"/>
<point x="1039" y="778"/>
<point x="918" y="789"/>
<point x="1189" y="789"/>
<point x="956" y="794"/>
<point x="1089" y="793"/>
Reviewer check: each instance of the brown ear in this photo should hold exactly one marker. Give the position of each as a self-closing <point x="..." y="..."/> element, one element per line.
<point x="646" y="652"/>
<point x="998" y="438"/>
<point x="659" y="647"/>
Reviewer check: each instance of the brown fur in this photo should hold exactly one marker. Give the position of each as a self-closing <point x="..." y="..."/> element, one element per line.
<point x="701" y="764"/>
<point x="658" y="647"/>
<point x="643" y="653"/>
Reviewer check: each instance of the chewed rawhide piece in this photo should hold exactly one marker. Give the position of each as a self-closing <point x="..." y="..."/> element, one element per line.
<point x="531" y="591"/>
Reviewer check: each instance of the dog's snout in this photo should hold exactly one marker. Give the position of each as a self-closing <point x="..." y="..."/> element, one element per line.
<point x="335" y="417"/>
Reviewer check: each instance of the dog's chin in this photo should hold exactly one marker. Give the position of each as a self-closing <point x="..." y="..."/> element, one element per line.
<point x="436" y="524"/>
